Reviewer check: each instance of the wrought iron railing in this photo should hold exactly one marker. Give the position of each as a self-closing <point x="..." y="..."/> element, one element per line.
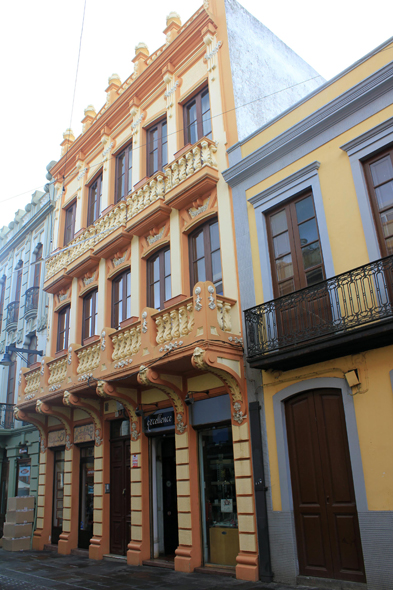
<point x="12" y="312"/>
<point x="337" y="305"/>
<point x="31" y="301"/>
<point x="7" y="416"/>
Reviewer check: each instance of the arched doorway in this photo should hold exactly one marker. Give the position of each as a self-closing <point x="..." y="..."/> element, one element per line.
<point x="326" y="520"/>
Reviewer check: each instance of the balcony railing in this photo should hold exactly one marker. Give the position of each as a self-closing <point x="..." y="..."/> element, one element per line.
<point x="31" y="301"/>
<point x="6" y="416"/>
<point x="12" y="313"/>
<point x="336" y="307"/>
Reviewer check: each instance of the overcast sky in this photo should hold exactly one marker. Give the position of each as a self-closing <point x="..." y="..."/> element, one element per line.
<point x="39" y="42"/>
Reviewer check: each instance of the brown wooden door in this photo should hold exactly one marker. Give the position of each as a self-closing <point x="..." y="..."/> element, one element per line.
<point x="326" y="521"/>
<point x="120" y="497"/>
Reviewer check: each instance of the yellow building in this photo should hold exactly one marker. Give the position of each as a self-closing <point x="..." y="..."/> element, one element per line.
<point x="313" y="206"/>
<point x="141" y="399"/>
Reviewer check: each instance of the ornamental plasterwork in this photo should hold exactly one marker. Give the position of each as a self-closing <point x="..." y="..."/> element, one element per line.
<point x="137" y="118"/>
<point x="212" y="303"/>
<point x="19" y="336"/>
<point x="198" y="299"/>
<point x="206" y="4"/>
<point x="88" y="280"/>
<point x="153" y="239"/>
<point x="212" y="47"/>
<point x="177" y="402"/>
<point x="134" y="431"/>
<point x="170" y="91"/>
<point x="107" y="150"/>
<point x="68" y="442"/>
<point x="100" y="389"/>
<point x="171" y="346"/>
<point x="42" y="366"/>
<point x="193" y="212"/>
<point x="69" y="355"/>
<point x="103" y="341"/>
<point x="117" y="261"/>
<point x="81" y="173"/>
<point x="38" y="406"/>
<point x="144" y="322"/>
<point x="67" y="398"/>
<point x="42" y="322"/>
<point x="98" y="440"/>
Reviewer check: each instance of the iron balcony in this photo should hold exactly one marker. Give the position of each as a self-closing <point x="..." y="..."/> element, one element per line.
<point x="346" y="314"/>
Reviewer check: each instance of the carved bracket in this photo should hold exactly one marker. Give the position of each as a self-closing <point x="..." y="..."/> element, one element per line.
<point x="38" y="421"/>
<point x="107" y="391"/>
<point x="63" y="415"/>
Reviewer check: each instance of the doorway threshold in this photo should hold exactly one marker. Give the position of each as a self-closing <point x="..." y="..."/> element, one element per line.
<point x="329" y="584"/>
<point x="115" y="557"/>
<point x="217" y="570"/>
<point x="51" y="547"/>
<point x="169" y="565"/>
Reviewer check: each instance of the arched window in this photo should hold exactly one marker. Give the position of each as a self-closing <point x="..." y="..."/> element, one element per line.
<point x="121" y="298"/>
<point x="159" y="279"/>
<point x="205" y="255"/>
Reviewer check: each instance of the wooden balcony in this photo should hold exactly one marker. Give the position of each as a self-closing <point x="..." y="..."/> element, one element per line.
<point x="164" y="338"/>
<point x="346" y="314"/>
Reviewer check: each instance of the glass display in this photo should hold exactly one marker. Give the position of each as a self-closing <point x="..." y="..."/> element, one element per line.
<point x="220" y="527"/>
<point x="23" y="484"/>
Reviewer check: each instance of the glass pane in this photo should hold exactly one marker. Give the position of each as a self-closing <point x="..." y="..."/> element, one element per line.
<point x="23" y="488"/>
<point x="382" y="170"/>
<point x="387" y="223"/>
<point x="284" y="267"/>
<point x="221" y="538"/>
<point x="304" y="209"/>
<point x="156" y="269"/>
<point x="193" y="133"/>
<point x="311" y="255"/>
<point x="167" y="288"/>
<point x="199" y="245"/>
<point x="58" y="493"/>
<point x="164" y="132"/>
<point x="285" y="288"/>
<point x="87" y="497"/>
<point x="216" y="266"/>
<point x="278" y="222"/>
<point x="164" y="154"/>
<point x="167" y="262"/>
<point x="192" y="113"/>
<point x="128" y="313"/>
<point x="308" y="232"/>
<point x="201" y="271"/>
<point x="207" y="125"/>
<point x="205" y="103"/>
<point x="214" y="237"/>
<point x="157" y="298"/>
<point x="219" y="289"/>
<point x="314" y="276"/>
<point x="281" y="244"/>
<point x="389" y="246"/>
<point x="385" y="195"/>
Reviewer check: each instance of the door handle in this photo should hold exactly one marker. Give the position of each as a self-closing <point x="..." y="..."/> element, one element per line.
<point x="124" y="492"/>
<point x="327" y="499"/>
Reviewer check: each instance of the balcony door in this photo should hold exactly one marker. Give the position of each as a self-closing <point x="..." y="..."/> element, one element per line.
<point x="326" y="519"/>
<point x="297" y="263"/>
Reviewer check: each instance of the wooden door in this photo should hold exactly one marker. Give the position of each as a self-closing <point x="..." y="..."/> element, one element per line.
<point x="171" y="534"/>
<point x="326" y="521"/>
<point x="120" y="497"/>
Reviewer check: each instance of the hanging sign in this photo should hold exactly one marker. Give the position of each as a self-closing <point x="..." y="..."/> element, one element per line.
<point x="23" y="451"/>
<point x="160" y="421"/>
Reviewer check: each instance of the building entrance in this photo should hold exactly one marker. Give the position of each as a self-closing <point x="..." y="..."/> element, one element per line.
<point x="326" y="520"/>
<point x="120" y="493"/>
<point x="58" y="494"/>
<point x="164" y="497"/>
<point x="86" y="496"/>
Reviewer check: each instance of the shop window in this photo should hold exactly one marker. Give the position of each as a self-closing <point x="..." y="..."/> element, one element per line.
<point x="23" y="478"/>
<point x="58" y="496"/>
<point x="90" y="312"/>
<point x="121" y="298"/>
<point x="379" y="175"/>
<point x="63" y="328"/>
<point x="94" y="202"/>
<point x="124" y="173"/>
<point x="205" y="255"/>
<point x="294" y="245"/>
<point x="157" y="147"/>
<point x="159" y="279"/>
<point x="69" y="226"/>
<point x="197" y="118"/>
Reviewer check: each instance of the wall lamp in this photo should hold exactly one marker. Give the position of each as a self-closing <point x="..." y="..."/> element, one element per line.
<point x="189" y="399"/>
<point x="139" y="412"/>
<point x="7" y="362"/>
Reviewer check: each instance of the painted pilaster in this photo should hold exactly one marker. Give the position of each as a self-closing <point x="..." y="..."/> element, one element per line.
<point x="69" y="537"/>
<point x="139" y="547"/>
<point x="107" y="170"/>
<point x="101" y="300"/>
<point x="136" y="126"/>
<point x="135" y="274"/>
<point x="74" y="325"/>
<point x="171" y="96"/>
<point x="176" y="268"/>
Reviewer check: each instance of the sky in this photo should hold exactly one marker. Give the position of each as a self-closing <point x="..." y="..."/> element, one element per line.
<point x="39" y="45"/>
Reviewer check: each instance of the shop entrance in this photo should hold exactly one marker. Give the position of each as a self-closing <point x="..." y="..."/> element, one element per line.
<point x="164" y="497"/>
<point x="218" y="497"/>
<point x="58" y="493"/>
<point x="86" y="496"/>
<point x="120" y="493"/>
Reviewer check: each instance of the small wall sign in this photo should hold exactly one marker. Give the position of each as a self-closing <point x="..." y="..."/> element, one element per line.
<point x="160" y="421"/>
<point x="135" y="460"/>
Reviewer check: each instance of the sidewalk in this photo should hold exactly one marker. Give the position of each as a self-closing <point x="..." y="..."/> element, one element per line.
<point x="37" y="570"/>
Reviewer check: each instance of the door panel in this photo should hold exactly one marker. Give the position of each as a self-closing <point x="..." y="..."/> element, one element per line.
<point x="326" y="521"/>
<point x="120" y="498"/>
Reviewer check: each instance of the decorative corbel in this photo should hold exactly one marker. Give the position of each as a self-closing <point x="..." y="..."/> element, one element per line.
<point x="171" y="86"/>
<point x="150" y="378"/>
<point x="205" y="361"/>
<point x="107" y="144"/>
<point x="212" y="46"/>
<point x="107" y="391"/>
<point x="137" y="118"/>
<point x="92" y="408"/>
<point x="62" y="414"/>
<point x="38" y="421"/>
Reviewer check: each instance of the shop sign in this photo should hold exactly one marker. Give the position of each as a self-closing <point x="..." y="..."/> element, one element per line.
<point x="22" y="450"/>
<point x="160" y="420"/>
<point x="135" y="460"/>
<point x="83" y="433"/>
<point x="56" y="438"/>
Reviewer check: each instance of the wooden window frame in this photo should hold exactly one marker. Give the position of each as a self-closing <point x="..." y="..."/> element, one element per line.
<point x="299" y="275"/>
<point x="94" y="209"/>
<point x="150" y="277"/>
<point x="64" y="311"/>
<point x="373" y="197"/>
<point x="91" y="295"/>
<point x="197" y="99"/>
<point x="126" y="151"/>
<point x="205" y="227"/>
<point x="124" y="297"/>
<point x="160" y="165"/>
<point x="70" y="211"/>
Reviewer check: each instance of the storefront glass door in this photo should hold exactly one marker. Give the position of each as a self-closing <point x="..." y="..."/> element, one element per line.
<point x="58" y="492"/>
<point x="86" y="497"/>
<point x="218" y="495"/>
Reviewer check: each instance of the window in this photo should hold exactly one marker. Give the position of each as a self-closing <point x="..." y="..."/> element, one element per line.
<point x="205" y="256"/>
<point x="89" y="322"/>
<point x="37" y="265"/>
<point x="94" y="204"/>
<point x="124" y="173"/>
<point x="159" y="279"/>
<point x="294" y="244"/>
<point x="379" y="175"/>
<point x="157" y="147"/>
<point x="69" y="226"/>
<point x="121" y="298"/>
<point x="197" y="119"/>
<point x="63" y="328"/>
